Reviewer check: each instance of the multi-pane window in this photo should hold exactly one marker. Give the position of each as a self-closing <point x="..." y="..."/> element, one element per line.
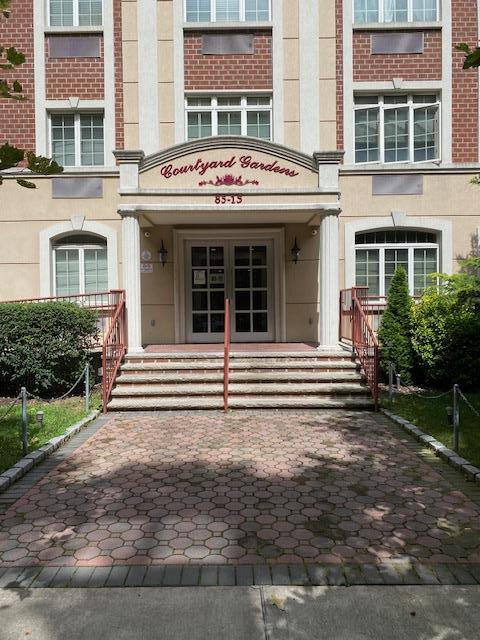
<point x="75" y="13"/>
<point x="229" y="116"/>
<point x="395" y="11"/>
<point x="379" y="253"/>
<point x="227" y="10"/>
<point x="77" y="139"/>
<point x="397" y="128"/>
<point x="80" y="265"/>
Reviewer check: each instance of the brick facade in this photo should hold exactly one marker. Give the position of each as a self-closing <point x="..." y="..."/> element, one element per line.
<point x="464" y="85"/>
<point x="230" y="71"/>
<point x="79" y="77"/>
<point x="339" y="67"/>
<point x="17" y="119"/>
<point x="410" y="66"/>
<point x="117" y="31"/>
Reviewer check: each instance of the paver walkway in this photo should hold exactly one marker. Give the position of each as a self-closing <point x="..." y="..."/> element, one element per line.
<point x="244" y="489"/>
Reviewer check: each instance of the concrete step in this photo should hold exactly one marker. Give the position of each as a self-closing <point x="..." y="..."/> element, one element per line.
<point x="328" y="354"/>
<point x="217" y="364"/>
<point x="288" y="388"/>
<point x="200" y="377"/>
<point x="241" y="402"/>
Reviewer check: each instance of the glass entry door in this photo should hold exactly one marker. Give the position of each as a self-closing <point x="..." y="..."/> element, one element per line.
<point x="239" y="270"/>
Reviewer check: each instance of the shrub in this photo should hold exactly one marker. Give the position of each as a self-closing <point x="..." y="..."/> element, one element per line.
<point x="395" y="332"/>
<point x="447" y="329"/>
<point x="44" y="346"/>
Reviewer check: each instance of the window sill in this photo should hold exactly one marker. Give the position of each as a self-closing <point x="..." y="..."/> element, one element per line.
<point x="73" y="30"/>
<point x="226" y="26"/>
<point x="397" y="26"/>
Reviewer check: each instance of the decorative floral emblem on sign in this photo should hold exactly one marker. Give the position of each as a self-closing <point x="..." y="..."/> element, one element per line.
<point x="228" y="181"/>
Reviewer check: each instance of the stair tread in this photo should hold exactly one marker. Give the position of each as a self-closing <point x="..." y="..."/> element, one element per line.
<point x="239" y="402"/>
<point x="209" y="365"/>
<point x="236" y="388"/>
<point x="244" y="376"/>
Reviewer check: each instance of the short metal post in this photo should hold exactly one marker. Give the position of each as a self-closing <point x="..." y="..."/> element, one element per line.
<point x="390" y="382"/>
<point x="87" y="388"/>
<point x="398" y="380"/>
<point x="23" y="393"/>
<point x="456" y="419"/>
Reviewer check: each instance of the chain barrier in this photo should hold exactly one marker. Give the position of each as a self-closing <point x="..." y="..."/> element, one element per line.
<point x="24" y="395"/>
<point x="10" y="407"/>
<point x="453" y="412"/>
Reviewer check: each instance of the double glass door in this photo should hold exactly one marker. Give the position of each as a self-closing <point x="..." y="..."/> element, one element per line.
<point x="239" y="270"/>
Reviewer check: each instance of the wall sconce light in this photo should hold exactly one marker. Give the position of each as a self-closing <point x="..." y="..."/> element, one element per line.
<point x="162" y="255"/>
<point x="295" y="251"/>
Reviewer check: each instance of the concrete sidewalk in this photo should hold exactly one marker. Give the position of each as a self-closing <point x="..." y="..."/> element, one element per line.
<point x="250" y="613"/>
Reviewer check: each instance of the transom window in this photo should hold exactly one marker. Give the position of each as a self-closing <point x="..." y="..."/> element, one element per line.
<point x="80" y="265"/>
<point x="396" y="11"/>
<point x="397" y="128"/>
<point x="379" y="253"/>
<point x="77" y="139"/>
<point x="229" y="116"/>
<point x="75" y="13"/>
<point x="227" y="10"/>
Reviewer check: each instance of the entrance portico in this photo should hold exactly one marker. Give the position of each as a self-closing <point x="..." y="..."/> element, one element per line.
<point x="228" y="210"/>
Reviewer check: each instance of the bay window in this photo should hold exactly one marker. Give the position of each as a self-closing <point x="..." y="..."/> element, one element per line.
<point x="75" y="13"/>
<point x="390" y="11"/>
<point x="77" y="139"/>
<point x="397" y="128"/>
<point x="379" y="253"/>
<point x="80" y="265"/>
<point x="228" y="116"/>
<point x="227" y="10"/>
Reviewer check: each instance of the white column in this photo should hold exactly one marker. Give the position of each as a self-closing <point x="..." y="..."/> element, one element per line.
<point x="131" y="280"/>
<point x="309" y="45"/>
<point x="148" y="115"/>
<point x="329" y="287"/>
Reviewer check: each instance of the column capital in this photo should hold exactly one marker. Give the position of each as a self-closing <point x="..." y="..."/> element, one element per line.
<point x="130" y="163"/>
<point x="128" y="211"/>
<point x="327" y="163"/>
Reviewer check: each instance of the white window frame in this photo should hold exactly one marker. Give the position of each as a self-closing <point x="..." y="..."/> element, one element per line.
<point x="215" y="109"/>
<point x="412" y="107"/>
<point x="76" y="17"/>
<point x="77" y="134"/>
<point x="382" y="247"/>
<point x="381" y="13"/>
<point x="81" y="248"/>
<point x="213" y="12"/>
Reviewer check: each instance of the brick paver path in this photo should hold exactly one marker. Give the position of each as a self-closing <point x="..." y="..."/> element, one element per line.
<point x="246" y="488"/>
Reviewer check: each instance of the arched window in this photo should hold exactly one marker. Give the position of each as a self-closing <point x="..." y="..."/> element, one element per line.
<point x="379" y="253"/>
<point x="80" y="264"/>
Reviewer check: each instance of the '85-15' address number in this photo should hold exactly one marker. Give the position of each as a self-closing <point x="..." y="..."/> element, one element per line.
<point x="230" y="199"/>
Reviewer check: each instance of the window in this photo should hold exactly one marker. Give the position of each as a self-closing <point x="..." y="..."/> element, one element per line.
<point x="229" y="116"/>
<point x="227" y="10"/>
<point x="379" y="253"/>
<point x="397" y="128"/>
<point x="77" y="139"/>
<point x="80" y="265"/>
<point x="395" y="11"/>
<point x="75" y="13"/>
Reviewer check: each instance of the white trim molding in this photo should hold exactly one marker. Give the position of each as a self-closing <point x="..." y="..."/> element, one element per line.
<point x="347" y="52"/>
<point x="447" y="57"/>
<point x="109" y="83"/>
<point x="179" y="71"/>
<point x="148" y="103"/>
<point x="77" y="224"/>
<point x="39" y="77"/>
<point x="278" y="69"/>
<point x="309" y="61"/>
<point x="442" y="226"/>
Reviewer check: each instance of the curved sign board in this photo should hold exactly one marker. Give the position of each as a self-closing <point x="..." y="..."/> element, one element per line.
<point x="245" y="165"/>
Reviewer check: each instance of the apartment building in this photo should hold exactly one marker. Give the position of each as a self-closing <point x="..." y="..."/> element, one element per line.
<point x="267" y="151"/>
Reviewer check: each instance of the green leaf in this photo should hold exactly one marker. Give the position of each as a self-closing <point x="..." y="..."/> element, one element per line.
<point x="15" y="57"/>
<point x="17" y="87"/>
<point x="10" y="156"/>
<point x="42" y="165"/>
<point x="26" y="183"/>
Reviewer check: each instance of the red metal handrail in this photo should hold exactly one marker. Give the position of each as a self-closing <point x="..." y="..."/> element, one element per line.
<point x="113" y="349"/>
<point x="226" y="355"/>
<point x="356" y="328"/>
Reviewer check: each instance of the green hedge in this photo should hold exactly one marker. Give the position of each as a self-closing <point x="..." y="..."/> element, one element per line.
<point x="44" y="346"/>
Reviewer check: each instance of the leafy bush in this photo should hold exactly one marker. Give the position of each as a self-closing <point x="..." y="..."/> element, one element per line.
<point x="44" y="346"/>
<point x="447" y="329"/>
<point x="395" y="332"/>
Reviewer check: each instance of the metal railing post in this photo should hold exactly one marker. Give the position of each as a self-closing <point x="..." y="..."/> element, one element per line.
<point x="456" y="419"/>
<point x="23" y="393"/>
<point x="87" y="388"/>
